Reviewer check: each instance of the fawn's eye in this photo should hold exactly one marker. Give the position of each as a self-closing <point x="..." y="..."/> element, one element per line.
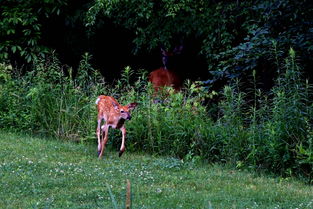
<point x="122" y="111"/>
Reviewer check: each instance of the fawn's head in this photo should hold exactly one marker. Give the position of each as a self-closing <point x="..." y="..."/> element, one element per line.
<point x="124" y="111"/>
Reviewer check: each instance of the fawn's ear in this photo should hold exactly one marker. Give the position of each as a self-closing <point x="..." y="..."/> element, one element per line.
<point x="132" y="106"/>
<point x="115" y="105"/>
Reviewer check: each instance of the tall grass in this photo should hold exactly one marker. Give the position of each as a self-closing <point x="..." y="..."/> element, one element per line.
<point x="256" y="129"/>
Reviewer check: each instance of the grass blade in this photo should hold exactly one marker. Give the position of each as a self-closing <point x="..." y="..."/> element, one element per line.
<point x="112" y="197"/>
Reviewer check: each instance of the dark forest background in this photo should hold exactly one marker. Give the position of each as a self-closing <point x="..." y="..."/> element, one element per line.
<point x="221" y="39"/>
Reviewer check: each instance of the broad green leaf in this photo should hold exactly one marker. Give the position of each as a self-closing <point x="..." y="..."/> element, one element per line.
<point x="13" y="48"/>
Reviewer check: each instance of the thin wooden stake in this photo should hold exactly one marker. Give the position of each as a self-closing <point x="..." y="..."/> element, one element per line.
<point x="128" y="195"/>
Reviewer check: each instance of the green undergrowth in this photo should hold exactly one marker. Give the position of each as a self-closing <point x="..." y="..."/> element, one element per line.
<point x="241" y="125"/>
<point x="48" y="173"/>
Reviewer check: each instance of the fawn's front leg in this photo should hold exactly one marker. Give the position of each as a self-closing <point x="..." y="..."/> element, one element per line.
<point x="122" y="149"/>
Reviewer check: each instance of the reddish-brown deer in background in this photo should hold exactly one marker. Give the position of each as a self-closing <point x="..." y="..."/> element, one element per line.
<point x="115" y="116"/>
<point x="166" y="75"/>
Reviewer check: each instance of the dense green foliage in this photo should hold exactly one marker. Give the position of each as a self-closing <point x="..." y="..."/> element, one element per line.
<point x="235" y="36"/>
<point x="272" y="132"/>
<point x="50" y="173"/>
<point x="21" y="28"/>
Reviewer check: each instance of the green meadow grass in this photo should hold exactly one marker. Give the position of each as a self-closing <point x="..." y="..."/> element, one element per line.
<point x="49" y="173"/>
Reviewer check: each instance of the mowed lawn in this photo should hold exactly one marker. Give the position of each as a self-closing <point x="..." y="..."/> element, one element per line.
<point x="46" y="173"/>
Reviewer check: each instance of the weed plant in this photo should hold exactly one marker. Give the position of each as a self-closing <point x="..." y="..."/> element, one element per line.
<point x="273" y="132"/>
